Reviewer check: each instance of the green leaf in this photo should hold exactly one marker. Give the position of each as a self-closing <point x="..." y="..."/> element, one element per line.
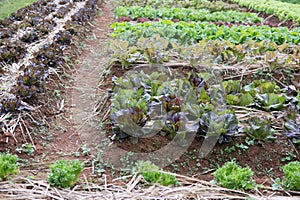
<point x="271" y="101"/>
<point x="232" y="99"/>
<point x="246" y="99"/>
<point x="267" y="87"/>
<point x="260" y="129"/>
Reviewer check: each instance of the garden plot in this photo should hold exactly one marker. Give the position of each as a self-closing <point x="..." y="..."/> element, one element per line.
<point x="198" y="88"/>
<point x="217" y="67"/>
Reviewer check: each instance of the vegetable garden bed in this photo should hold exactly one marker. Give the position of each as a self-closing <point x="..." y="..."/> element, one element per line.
<point x="189" y="85"/>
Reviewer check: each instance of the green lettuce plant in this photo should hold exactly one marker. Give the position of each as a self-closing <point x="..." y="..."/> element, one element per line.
<point x="65" y="173"/>
<point x="260" y="129"/>
<point x="291" y="179"/>
<point x="151" y="174"/>
<point x="232" y="176"/>
<point x="8" y="165"/>
<point x="271" y="101"/>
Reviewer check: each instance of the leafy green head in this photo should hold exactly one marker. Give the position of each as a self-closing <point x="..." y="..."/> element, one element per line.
<point x="260" y="129"/>
<point x="291" y="179"/>
<point x="232" y="176"/>
<point x="151" y="174"/>
<point x="65" y="173"/>
<point x="8" y="165"/>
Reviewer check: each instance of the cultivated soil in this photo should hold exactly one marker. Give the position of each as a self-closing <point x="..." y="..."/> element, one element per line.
<point x="81" y="128"/>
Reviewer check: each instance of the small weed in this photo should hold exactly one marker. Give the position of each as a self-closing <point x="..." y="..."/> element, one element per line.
<point x="219" y="158"/>
<point x="26" y="148"/>
<point x="276" y="184"/>
<point x="77" y="154"/>
<point x="175" y="168"/>
<point x="85" y="150"/>
<point x="221" y="151"/>
<point x="270" y="172"/>
<point x="249" y="141"/>
<point x="229" y="149"/>
<point x="289" y="156"/>
<point x="242" y="147"/>
<point x="268" y="157"/>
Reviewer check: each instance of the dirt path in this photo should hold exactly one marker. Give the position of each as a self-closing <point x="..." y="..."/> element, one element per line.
<point x="78" y="125"/>
<point x="85" y="94"/>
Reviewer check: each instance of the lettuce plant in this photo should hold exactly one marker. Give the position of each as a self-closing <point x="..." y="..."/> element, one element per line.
<point x="291" y="179"/>
<point x="64" y="173"/>
<point x="240" y="99"/>
<point x="8" y="165"/>
<point x="271" y="101"/>
<point x="232" y="176"/>
<point x="260" y="129"/>
<point x="151" y="173"/>
<point x="222" y="123"/>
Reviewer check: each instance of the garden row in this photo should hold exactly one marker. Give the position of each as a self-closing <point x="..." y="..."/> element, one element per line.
<point x="65" y="174"/>
<point x="33" y="44"/>
<point x="210" y="104"/>
<point x="213" y="6"/>
<point x="285" y="11"/>
<point x="185" y="14"/>
<point x="193" y="32"/>
<point x="158" y="49"/>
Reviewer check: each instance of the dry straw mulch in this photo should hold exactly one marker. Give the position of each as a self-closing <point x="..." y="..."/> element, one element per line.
<point x="190" y="188"/>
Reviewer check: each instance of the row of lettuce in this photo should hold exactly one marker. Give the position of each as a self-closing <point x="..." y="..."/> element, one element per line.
<point x="284" y="10"/>
<point x="185" y="14"/>
<point x="65" y="174"/>
<point x="193" y="32"/>
<point x="31" y="82"/>
<point x="213" y="6"/>
<point x="159" y="50"/>
<point x="196" y="103"/>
